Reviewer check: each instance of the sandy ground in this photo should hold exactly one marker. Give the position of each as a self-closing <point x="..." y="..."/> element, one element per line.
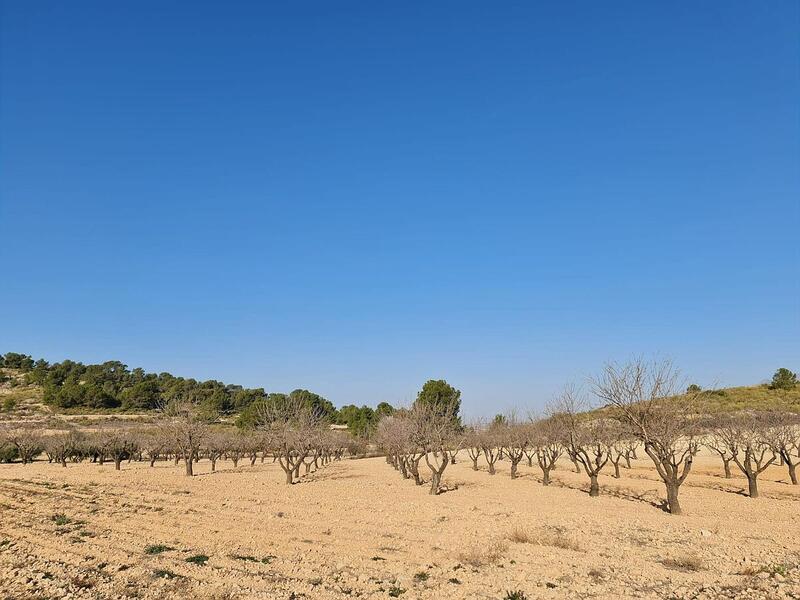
<point x="357" y="529"/>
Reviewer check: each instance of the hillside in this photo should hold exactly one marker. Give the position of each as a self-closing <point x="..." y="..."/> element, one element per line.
<point x="21" y="401"/>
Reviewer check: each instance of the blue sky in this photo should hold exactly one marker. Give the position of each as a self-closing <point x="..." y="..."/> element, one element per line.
<point x="357" y="197"/>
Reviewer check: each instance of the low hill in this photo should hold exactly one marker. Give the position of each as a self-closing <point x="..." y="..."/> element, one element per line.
<point x="22" y="401"/>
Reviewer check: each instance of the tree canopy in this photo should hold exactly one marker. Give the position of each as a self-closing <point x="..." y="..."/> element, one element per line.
<point x="442" y="397"/>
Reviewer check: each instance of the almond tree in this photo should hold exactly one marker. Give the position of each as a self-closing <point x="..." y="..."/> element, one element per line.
<point x="488" y="444"/>
<point x="61" y="446"/>
<point x="28" y="442"/>
<point x="119" y="444"/>
<point x="289" y="424"/>
<point x="586" y="438"/>
<point x="745" y="436"/>
<point x="546" y="436"/>
<point x="643" y="396"/>
<point x="715" y="443"/>
<point x="187" y="429"/>
<point x="783" y="436"/>
<point x="435" y="431"/>
<point x="514" y="438"/>
<point x="473" y="446"/>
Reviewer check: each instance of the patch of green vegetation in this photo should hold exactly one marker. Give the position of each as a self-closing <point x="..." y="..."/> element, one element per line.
<point x="454" y="581"/>
<point x="247" y="558"/>
<point x="198" y="559"/>
<point x="777" y="569"/>
<point x="421" y="576"/>
<point x="515" y="595"/>
<point x="60" y="519"/>
<point x="396" y="592"/>
<point x="166" y="574"/>
<point x="244" y="558"/>
<point x="157" y="549"/>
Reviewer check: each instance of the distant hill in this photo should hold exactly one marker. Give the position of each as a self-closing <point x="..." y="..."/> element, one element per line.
<point x="755" y="397"/>
<point x="20" y="401"/>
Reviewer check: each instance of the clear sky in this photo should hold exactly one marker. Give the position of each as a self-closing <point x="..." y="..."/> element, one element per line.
<point x="357" y="197"/>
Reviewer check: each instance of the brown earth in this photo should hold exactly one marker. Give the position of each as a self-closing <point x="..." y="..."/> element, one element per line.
<point x="356" y="529"/>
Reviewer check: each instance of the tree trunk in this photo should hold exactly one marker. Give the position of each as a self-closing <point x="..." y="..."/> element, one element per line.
<point x="513" y="470"/>
<point x="616" y="470"/>
<point x="726" y="465"/>
<point x="297" y="471"/>
<point x="453" y="459"/>
<point x="64" y="464"/>
<point x="792" y="472"/>
<point x="673" y="506"/>
<point x="436" y="479"/>
<point x="288" y="476"/>
<point x="577" y="466"/>
<point x="189" y="466"/>
<point x="752" y="485"/>
<point x="594" y="487"/>
<point x="545" y="476"/>
<point x="474" y="464"/>
<point x="213" y="465"/>
<point x="627" y="461"/>
<point x="491" y="469"/>
<point x="117" y="463"/>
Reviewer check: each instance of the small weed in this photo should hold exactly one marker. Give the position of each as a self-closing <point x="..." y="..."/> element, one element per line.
<point x="157" y="549"/>
<point x="690" y="563"/>
<point x="520" y="536"/>
<point x="198" y="559"/>
<point x="165" y="574"/>
<point x="485" y="554"/>
<point x="421" y="576"/>
<point x="515" y="595"/>
<point x="244" y="557"/>
<point x="454" y="581"/>
<point x="776" y="569"/>
<point x="396" y="592"/>
<point x="60" y="519"/>
<point x="378" y="558"/>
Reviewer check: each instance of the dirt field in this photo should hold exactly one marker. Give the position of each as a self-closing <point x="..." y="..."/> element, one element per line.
<point x="357" y="529"/>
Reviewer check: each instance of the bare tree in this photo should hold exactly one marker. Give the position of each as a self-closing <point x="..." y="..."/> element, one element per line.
<point x="63" y="445"/>
<point x="586" y="438"/>
<point x="745" y="436"/>
<point x="783" y="436"/>
<point x="117" y="443"/>
<point x="435" y="431"/>
<point x="514" y="438"/>
<point x="27" y="440"/>
<point x="487" y="439"/>
<point x="290" y="427"/>
<point x="186" y="429"/>
<point x="643" y="395"/>
<point x="717" y="444"/>
<point x="546" y="441"/>
<point x="472" y="443"/>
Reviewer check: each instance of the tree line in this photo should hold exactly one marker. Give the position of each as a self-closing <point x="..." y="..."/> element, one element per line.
<point x="112" y="385"/>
